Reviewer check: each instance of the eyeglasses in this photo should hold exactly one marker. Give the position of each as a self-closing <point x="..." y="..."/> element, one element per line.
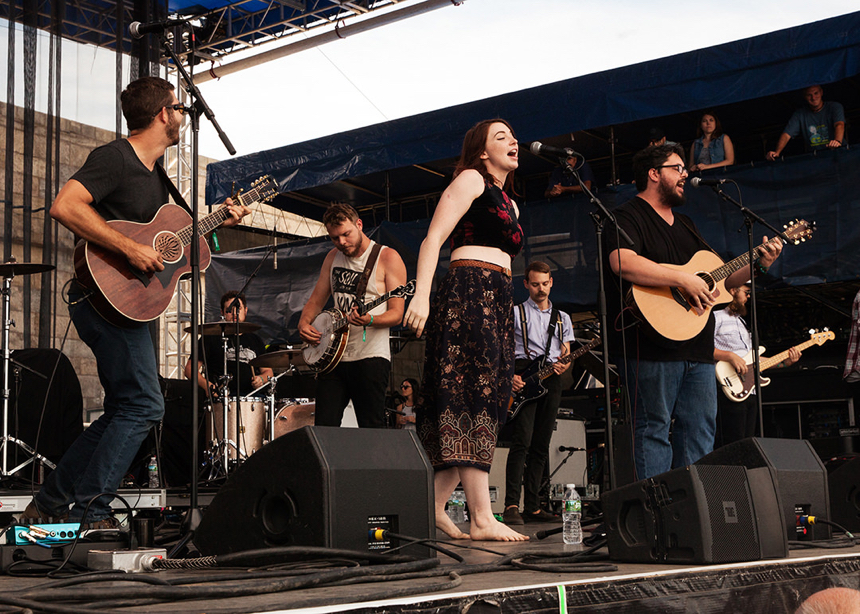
<point x="682" y="170"/>
<point x="405" y="386"/>
<point x="177" y="107"/>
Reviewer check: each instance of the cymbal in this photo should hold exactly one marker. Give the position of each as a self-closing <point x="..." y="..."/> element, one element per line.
<point x="228" y="328"/>
<point x="279" y="360"/>
<point x="10" y="269"/>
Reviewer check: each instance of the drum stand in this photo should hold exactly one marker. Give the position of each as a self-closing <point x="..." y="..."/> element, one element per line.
<point x="7" y="361"/>
<point x="270" y="404"/>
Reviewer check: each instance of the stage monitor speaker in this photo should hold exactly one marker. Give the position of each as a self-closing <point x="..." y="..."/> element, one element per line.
<point x="695" y="514"/>
<point x="844" y="482"/>
<point x="797" y="472"/>
<point x="324" y="486"/>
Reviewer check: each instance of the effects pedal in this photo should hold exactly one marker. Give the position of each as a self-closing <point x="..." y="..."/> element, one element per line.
<point x="43" y="534"/>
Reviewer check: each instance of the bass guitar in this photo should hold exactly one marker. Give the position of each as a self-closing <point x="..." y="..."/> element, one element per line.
<point x="124" y="295"/>
<point x="737" y="387"/>
<point x="667" y="309"/>
<point x="536" y="372"/>
<point x="334" y="327"/>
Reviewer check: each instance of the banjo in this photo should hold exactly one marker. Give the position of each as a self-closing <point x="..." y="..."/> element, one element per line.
<point x="334" y="326"/>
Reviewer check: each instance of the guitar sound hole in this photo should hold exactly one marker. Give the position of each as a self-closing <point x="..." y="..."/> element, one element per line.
<point x="169" y="246"/>
<point x="706" y="277"/>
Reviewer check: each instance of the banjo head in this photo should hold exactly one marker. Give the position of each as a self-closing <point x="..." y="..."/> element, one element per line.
<point x="328" y="342"/>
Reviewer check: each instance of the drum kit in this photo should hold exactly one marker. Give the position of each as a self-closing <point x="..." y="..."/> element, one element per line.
<point x="8" y="271"/>
<point x="238" y="426"/>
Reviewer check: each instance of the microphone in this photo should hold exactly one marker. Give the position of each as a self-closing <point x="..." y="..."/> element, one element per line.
<point x="139" y="30"/>
<point x="571" y="449"/>
<point x="539" y="148"/>
<point x="698" y="181"/>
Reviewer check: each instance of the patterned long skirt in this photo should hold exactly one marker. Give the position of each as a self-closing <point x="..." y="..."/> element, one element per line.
<point x="468" y="368"/>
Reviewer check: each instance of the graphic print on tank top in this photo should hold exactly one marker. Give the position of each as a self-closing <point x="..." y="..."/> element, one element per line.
<point x="344" y="283"/>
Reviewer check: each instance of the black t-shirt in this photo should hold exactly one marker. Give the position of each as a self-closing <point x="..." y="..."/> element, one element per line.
<point x="212" y="355"/>
<point x="656" y="240"/>
<point x="121" y="186"/>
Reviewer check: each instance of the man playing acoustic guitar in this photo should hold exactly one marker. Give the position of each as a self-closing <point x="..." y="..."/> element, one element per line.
<point x="119" y="181"/>
<point x="363" y="371"/>
<point x="670" y="383"/>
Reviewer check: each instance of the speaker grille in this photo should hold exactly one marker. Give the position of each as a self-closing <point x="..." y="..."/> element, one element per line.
<point x="730" y="513"/>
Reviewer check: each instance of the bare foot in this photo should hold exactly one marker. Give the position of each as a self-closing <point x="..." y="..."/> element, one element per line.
<point x="447" y="526"/>
<point x="493" y="530"/>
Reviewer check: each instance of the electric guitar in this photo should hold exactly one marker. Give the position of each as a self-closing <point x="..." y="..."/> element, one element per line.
<point x="667" y="309"/>
<point x="536" y="372"/>
<point x="334" y="326"/>
<point x="124" y="295"/>
<point x="737" y="387"/>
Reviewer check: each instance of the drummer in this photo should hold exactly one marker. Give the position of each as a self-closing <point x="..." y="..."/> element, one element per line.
<point x="210" y="366"/>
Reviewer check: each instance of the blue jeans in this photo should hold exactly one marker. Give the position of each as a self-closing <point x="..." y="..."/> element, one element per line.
<point x="680" y="396"/>
<point x="98" y="459"/>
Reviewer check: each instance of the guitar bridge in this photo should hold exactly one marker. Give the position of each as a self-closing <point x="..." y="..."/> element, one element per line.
<point x="680" y="299"/>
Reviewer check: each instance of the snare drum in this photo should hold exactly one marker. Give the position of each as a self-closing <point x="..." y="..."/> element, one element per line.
<point x="293" y="414"/>
<point x="252" y="414"/>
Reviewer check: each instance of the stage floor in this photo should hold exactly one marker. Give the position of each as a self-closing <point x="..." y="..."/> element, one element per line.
<point x="761" y="587"/>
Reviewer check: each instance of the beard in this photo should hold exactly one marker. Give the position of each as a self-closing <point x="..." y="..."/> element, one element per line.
<point x="670" y="196"/>
<point x="737" y="308"/>
<point x="172" y="130"/>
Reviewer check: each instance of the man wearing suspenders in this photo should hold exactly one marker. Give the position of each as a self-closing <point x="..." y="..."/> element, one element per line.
<point x="540" y="330"/>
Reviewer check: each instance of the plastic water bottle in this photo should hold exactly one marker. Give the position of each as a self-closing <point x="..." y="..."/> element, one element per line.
<point x="571" y="513"/>
<point x="152" y="472"/>
<point x="456" y="508"/>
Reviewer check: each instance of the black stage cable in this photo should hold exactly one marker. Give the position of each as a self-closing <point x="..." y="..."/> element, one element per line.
<point x="848" y="541"/>
<point x="129" y="595"/>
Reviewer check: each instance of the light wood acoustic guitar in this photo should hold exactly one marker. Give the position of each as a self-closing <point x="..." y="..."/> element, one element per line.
<point x="124" y="295"/>
<point x="667" y="309"/>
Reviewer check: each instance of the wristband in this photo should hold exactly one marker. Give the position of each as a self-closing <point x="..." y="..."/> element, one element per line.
<point x="371" y="319"/>
<point x="760" y="268"/>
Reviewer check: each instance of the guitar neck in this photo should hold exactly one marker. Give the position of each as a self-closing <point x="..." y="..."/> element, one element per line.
<point x="740" y="262"/>
<point x="549" y="368"/>
<point x="772" y="361"/>
<point x="212" y="221"/>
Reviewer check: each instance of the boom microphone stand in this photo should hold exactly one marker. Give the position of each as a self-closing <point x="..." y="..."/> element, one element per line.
<point x="198" y="107"/>
<point x="601" y="217"/>
<point x="750" y="218"/>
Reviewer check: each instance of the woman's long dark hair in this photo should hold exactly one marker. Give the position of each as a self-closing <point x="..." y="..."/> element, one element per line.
<point x="475" y="144"/>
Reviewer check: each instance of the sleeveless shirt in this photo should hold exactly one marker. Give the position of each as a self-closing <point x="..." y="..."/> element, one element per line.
<point x="491" y="221"/>
<point x="345" y="273"/>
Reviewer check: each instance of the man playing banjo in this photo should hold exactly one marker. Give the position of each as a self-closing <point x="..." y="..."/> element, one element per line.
<point x="357" y="270"/>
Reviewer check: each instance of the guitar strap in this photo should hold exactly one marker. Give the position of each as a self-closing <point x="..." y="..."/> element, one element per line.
<point x="554" y="321"/>
<point x="171" y="188"/>
<point x="361" y="288"/>
<point x="695" y="232"/>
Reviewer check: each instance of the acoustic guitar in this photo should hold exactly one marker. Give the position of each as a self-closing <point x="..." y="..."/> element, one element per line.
<point x="667" y="309"/>
<point x="124" y="295"/>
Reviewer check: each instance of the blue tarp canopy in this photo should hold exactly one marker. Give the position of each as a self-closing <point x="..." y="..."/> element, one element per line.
<point x="751" y="83"/>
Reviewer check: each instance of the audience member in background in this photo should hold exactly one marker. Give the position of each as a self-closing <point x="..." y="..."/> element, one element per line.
<point x="837" y="600"/>
<point x="409" y="392"/>
<point x="656" y="136"/>
<point x="712" y="148"/>
<point x="563" y="182"/>
<point x="821" y="124"/>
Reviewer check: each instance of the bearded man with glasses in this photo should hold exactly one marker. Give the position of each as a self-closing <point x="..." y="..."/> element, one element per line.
<point x="119" y="181"/>
<point x="670" y="384"/>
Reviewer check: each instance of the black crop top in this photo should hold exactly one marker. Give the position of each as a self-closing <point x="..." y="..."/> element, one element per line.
<point x="491" y="221"/>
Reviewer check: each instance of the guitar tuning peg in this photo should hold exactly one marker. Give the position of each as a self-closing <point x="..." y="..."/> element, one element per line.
<point x="825" y="329"/>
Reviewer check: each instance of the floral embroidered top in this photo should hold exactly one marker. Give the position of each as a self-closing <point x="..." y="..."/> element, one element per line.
<point x="490" y="221"/>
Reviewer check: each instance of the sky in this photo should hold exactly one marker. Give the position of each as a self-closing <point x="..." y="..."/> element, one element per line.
<point x="449" y="56"/>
